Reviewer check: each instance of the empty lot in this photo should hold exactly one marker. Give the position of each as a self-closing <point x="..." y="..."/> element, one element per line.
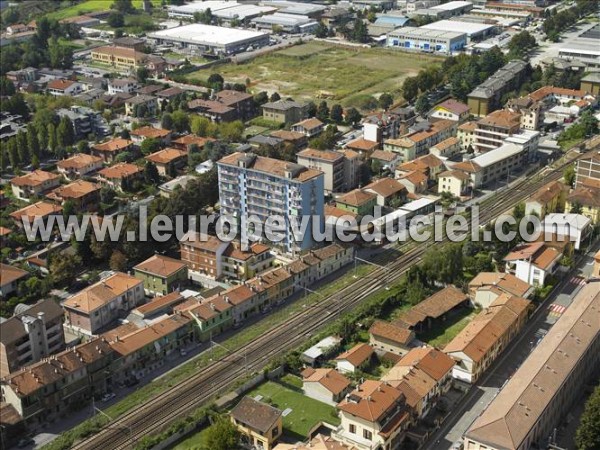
<point x="308" y="71"/>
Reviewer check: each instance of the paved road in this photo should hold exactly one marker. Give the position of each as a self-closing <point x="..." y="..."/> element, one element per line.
<point x="477" y="399"/>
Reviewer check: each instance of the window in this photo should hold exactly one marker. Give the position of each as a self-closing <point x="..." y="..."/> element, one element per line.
<point x="352" y="429"/>
<point x="367" y="435"/>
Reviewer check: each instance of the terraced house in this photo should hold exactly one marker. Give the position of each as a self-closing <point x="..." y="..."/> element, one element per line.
<point x="161" y="275"/>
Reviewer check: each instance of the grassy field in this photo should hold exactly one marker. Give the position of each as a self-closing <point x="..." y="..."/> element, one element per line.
<point x="440" y="337"/>
<point x="89" y="6"/>
<point x="306" y="412"/>
<point x="304" y="71"/>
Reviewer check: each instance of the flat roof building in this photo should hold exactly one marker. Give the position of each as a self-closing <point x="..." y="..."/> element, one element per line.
<point x="200" y="38"/>
<point x="187" y="11"/>
<point x="427" y="40"/>
<point x="290" y="23"/>
<point x="474" y="31"/>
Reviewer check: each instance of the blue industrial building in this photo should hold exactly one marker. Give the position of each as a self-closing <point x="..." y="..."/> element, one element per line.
<point x="430" y="41"/>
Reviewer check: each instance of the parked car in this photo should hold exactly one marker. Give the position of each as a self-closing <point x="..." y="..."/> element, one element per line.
<point x="108" y="397"/>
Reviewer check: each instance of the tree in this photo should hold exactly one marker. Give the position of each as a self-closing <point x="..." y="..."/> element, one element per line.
<point x="204" y="17"/>
<point x="181" y="121"/>
<point x="32" y="141"/>
<point x="337" y="113"/>
<point x="7" y="88"/>
<point x="410" y="89"/>
<point x="231" y="131"/>
<point x="322" y="31"/>
<point x="275" y="97"/>
<point x="353" y="116"/>
<point x="422" y="105"/>
<point x="167" y="121"/>
<point x="151" y="174"/>
<point x="261" y="98"/>
<point x="124" y="6"/>
<point x="360" y="32"/>
<point x="64" y="267"/>
<point x="569" y="175"/>
<point x="52" y="141"/>
<point x="215" y="81"/>
<point x="385" y="101"/>
<point x="199" y="125"/>
<point x="68" y="208"/>
<point x="142" y="74"/>
<point x="22" y="148"/>
<point x="149" y="145"/>
<point x="587" y="436"/>
<point x="118" y="261"/>
<point x="83" y="147"/>
<point x="64" y="132"/>
<point x="60" y="56"/>
<point x="115" y="19"/>
<point x="323" y="111"/>
<point x="222" y="435"/>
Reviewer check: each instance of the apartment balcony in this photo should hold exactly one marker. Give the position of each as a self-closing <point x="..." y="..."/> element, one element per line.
<point x="352" y="438"/>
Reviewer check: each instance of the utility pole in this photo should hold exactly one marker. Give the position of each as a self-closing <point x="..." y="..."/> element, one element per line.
<point x="386" y="270"/>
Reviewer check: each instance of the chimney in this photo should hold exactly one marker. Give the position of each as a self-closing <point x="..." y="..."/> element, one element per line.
<point x="42" y="316"/>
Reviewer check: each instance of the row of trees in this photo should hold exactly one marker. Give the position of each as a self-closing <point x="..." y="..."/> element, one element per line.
<point x="557" y="22"/>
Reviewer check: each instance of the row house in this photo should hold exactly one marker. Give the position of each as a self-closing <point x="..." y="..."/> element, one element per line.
<point x="386" y="337"/>
<point x="478" y="345"/>
<point x="109" y="150"/>
<point x="429" y="165"/>
<point x="532" y="262"/>
<point x="142" y="350"/>
<point x="79" y="165"/>
<point x="317" y="264"/>
<point x="101" y="304"/>
<point x="487" y="286"/>
<point x="27" y="337"/>
<point x="58" y="384"/>
<point x="83" y="195"/>
<point x="121" y="176"/>
<point x="158" y="306"/>
<point x="212" y="316"/>
<point x="33" y="184"/>
<point x="374" y="415"/>
<point x="423" y="375"/>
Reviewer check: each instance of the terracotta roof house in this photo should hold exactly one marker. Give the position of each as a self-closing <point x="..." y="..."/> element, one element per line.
<point x="388" y="337"/>
<point x="325" y="385"/>
<point x="9" y="279"/>
<point x="295" y="138"/>
<point x="101" y="304"/>
<point x="376" y="408"/>
<point x="390" y="192"/>
<point x="358" y="202"/>
<point x="451" y="110"/>
<point x="109" y="150"/>
<point x="168" y="160"/>
<point x="532" y="262"/>
<point x="355" y="358"/>
<point x="40" y="210"/>
<point x="548" y="199"/>
<point x="33" y="184"/>
<point x="78" y="165"/>
<point x="139" y="135"/>
<point x="486" y="286"/>
<point x="160" y="274"/>
<point x="259" y="423"/>
<point x="437" y="306"/>
<point x="187" y="141"/>
<point x="121" y="176"/>
<point x="60" y="87"/>
<point x="363" y="145"/>
<point x="83" y="194"/>
<point x="309" y="127"/>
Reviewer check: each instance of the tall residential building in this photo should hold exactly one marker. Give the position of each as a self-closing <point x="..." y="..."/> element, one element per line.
<point x="31" y="335"/>
<point x="251" y="185"/>
<point x="493" y="129"/>
<point x="587" y="173"/>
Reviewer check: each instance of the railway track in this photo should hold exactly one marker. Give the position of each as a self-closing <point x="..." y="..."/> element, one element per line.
<point x="201" y="387"/>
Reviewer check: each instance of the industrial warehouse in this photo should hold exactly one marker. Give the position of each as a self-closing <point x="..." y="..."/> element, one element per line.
<point x="198" y="38"/>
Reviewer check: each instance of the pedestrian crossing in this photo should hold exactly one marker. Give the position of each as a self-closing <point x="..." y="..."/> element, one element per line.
<point x="556" y="310"/>
<point x="578" y="281"/>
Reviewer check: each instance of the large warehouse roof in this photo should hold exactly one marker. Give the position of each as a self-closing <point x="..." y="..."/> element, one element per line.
<point x="460" y="27"/>
<point x="283" y="19"/>
<point x="191" y="8"/>
<point x="452" y="5"/>
<point x="203" y="34"/>
<point x="425" y="33"/>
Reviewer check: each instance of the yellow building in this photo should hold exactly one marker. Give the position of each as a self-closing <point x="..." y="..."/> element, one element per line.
<point x="453" y="181"/>
<point x="549" y="199"/>
<point x="586" y="201"/>
<point x="119" y="57"/>
<point x="591" y="83"/>
<point x="260" y="424"/>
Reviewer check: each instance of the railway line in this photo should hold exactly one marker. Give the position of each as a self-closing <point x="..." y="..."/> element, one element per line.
<point x="211" y="381"/>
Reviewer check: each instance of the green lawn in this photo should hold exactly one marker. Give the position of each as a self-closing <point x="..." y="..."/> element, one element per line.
<point x="89" y="6"/>
<point x="195" y="442"/>
<point x="306" y="412"/>
<point x="307" y="70"/>
<point x="439" y="337"/>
